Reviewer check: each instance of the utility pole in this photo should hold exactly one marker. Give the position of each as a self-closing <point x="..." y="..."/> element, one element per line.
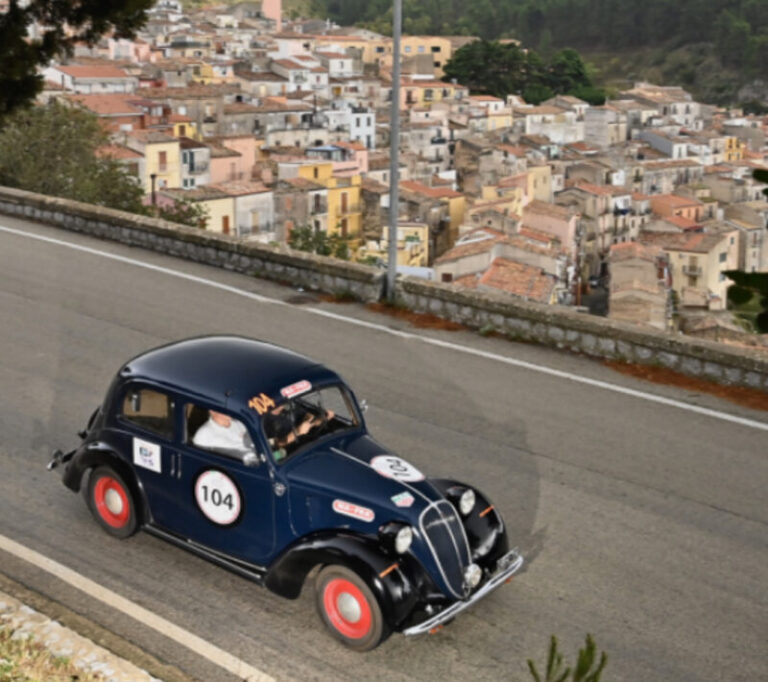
<point x="394" y="149"/>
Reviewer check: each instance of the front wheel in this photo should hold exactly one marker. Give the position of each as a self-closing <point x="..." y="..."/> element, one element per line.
<point x="111" y="502"/>
<point x="349" y="609"/>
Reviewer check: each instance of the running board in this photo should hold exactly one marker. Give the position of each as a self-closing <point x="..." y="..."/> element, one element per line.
<point x="242" y="568"/>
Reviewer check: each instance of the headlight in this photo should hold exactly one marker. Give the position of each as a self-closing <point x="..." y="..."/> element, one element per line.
<point x="403" y="539"/>
<point x="472" y="576"/>
<point x="467" y="501"/>
<point x="396" y="537"/>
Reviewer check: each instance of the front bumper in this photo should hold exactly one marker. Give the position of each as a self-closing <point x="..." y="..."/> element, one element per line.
<point x="506" y="567"/>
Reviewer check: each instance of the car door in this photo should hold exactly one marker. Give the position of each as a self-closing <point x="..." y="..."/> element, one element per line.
<point x="216" y="499"/>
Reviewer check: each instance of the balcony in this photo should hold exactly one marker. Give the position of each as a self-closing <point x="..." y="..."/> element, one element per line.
<point x="352" y="207"/>
<point x="197" y="168"/>
<point x="692" y="270"/>
<point x="318" y="207"/>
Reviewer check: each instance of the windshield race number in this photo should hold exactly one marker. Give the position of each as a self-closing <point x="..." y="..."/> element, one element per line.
<point x="217" y="497"/>
<point x="394" y="467"/>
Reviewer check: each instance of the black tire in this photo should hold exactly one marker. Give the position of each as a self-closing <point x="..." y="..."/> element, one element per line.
<point x="349" y="609"/>
<point x="111" y="502"/>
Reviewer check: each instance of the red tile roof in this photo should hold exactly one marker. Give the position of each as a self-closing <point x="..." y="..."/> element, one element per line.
<point x="79" y="71"/>
<point x="519" y="279"/>
<point x="431" y="192"/>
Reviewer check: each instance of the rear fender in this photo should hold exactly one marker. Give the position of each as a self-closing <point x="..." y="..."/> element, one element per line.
<point x="395" y="580"/>
<point x="98" y="453"/>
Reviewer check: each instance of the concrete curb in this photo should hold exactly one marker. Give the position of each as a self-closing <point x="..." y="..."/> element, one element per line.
<point x="60" y="641"/>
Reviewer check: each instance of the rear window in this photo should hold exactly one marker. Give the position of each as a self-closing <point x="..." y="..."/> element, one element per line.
<point x="150" y="410"/>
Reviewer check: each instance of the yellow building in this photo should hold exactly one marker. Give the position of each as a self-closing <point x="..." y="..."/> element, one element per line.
<point x="216" y="72"/>
<point x="424" y="93"/>
<point x="162" y="155"/>
<point x="412" y="245"/>
<point x="219" y="206"/>
<point x="540" y="183"/>
<point x="734" y="149"/>
<point x="345" y="215"/>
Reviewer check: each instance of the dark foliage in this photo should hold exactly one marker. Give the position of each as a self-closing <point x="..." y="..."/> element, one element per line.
<point x="492" y="68"/>
<point x="53" y="150"/>
<point x="64" y="24"/>
<point x="738" y="295"/>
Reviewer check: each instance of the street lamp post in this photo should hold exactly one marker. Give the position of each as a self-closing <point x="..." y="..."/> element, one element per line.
<point x="394" y="149"/>
<point x="153" y="177"/>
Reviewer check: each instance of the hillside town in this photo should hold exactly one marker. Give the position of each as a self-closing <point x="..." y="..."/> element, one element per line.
<point x="273" y="126"/>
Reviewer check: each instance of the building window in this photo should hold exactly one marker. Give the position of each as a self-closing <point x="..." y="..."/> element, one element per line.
<point x="723" y="257"/>
<point x="421" y="49"/>
<point x="315" y="172"/>
<point x="446" y="277"/>
<point x="162" y="161"/>
<point x="407" y="48"/>
<point x="435" y="48"/>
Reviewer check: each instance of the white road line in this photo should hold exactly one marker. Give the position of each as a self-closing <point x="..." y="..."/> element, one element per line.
<point x="219" y="657"/>
<point x="542" y="369"/>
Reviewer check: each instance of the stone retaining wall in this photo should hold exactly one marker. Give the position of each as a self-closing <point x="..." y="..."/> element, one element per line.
<point x="231" y="253"/>
<point x="553" y="326"/>
<point x="564" y="328"/>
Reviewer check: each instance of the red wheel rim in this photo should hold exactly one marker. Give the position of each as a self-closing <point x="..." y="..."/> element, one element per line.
<point x="347" y="608"/>
<point x="112" y="502"/>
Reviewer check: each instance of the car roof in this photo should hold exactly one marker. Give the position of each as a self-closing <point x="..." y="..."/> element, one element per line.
<point x="226" y="369"/>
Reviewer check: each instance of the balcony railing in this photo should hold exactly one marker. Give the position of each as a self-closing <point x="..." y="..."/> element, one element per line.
<point x="198" y="168"/>
<point x="692" y="270"/>
<point x="317" y="207"/>
<point x="352" y="207"/>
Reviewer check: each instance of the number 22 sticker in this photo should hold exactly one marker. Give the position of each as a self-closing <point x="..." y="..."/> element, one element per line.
<point x="217" y="497"/>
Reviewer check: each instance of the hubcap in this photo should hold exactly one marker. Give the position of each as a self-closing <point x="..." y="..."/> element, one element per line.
<point x="349" y="607"/>
<point x="113" y="501"/>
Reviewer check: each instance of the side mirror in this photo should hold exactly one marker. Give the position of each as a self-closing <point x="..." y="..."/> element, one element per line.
<point x="363" y="406"/>
<point x="251" y="459"/>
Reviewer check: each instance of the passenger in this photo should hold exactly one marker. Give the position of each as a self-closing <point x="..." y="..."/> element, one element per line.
<point x="221" y="432"/>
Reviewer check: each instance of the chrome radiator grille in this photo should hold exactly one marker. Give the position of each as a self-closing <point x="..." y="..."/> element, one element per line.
<point x="441" y="527"/>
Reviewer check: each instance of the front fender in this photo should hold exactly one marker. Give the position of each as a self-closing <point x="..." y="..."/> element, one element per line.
<point x="485" y="528"/>
<point x="395" y="580"/>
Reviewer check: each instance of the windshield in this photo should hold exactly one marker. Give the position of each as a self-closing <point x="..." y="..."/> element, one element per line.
<point x="307" y="418"/>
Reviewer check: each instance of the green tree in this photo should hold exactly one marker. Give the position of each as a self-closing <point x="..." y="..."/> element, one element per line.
<point x="52" y="150"/>
<point x="583" y="672"/>
<point x="305" y="238"/>
<point x="488" y="67"/>
<point x="62" y="25"/>
<point x="184" y="212"/>
<point x="567" y="72"/>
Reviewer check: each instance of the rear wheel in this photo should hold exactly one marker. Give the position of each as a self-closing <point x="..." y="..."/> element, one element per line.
<point x="111" y="502"/>
<point x="349" y="609"/>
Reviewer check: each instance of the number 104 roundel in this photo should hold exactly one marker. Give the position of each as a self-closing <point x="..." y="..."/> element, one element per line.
<point x="258" y="459"/>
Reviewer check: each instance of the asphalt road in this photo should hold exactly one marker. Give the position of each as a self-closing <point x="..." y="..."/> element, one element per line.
<point x="643" y="524"/>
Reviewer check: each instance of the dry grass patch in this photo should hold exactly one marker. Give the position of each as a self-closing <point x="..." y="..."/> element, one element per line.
<point x="24" y="660"/>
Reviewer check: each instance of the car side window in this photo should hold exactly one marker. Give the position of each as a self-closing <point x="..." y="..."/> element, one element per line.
<point x="216" y="431"/>
<point x="150" y="410"/>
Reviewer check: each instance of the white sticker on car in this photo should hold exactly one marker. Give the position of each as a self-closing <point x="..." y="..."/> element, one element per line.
<point x="353" y="510"/>
<point x="394" y="467"/>
<point x="217" y="497"/>
<point x="296" y="389"/>
<point x="147" y="455"/>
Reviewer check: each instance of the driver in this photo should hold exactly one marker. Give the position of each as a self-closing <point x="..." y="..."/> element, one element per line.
<point x="283" y="426"/>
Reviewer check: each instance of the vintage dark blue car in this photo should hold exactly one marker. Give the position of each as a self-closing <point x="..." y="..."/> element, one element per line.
<point x="258" y="459"/>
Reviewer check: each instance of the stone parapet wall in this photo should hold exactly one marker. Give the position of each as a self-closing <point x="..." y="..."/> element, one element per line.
<point x="553" y="326"/>
<point x="567" y="329"/>
<point x="231" y="253"/>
